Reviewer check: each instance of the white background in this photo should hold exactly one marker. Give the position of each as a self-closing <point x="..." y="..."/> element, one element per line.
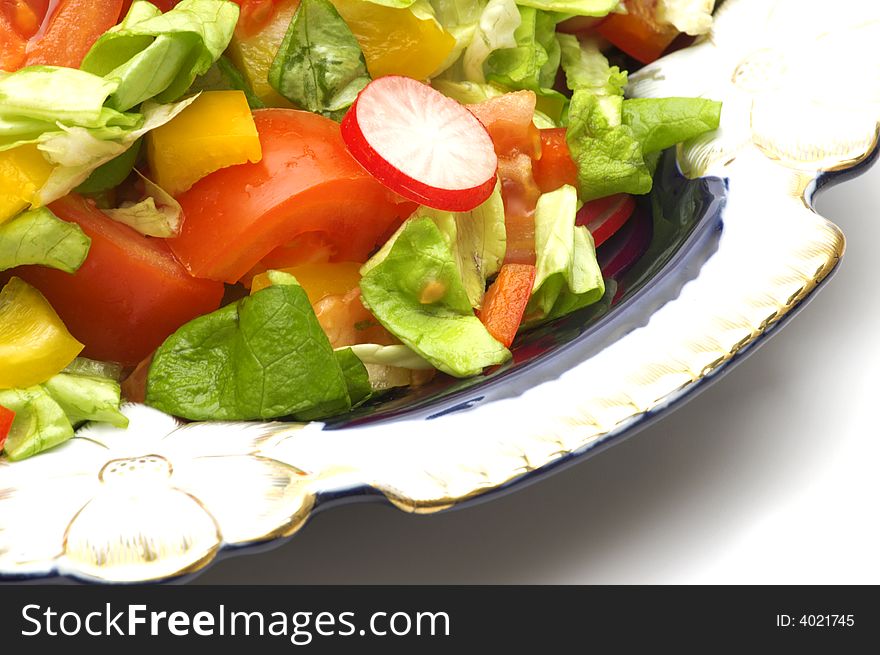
<point x="769" y="476"/>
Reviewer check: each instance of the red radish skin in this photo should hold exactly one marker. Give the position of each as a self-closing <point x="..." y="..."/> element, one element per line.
<point x="420" y="144"/>
<point x="605" y="216"/>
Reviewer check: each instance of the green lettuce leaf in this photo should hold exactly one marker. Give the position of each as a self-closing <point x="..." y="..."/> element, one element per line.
<point x="533" y="63"/>
<point x="416" y="292"/>
<point x="40" y="422"/>
<point x="265" y="356"/>
<point x="319" y="66"/>
<point x="587" y="68"/>
<point x="478" y="240"/>
<point x="608" y="156"/>
<point x="397" y="356"/>
<point x="113" y="173"/>
<point x="155" y="55"/>
<point x="568" y="276"/>
<point x="46" y="414"/>
<point x="157" y="215"/>
<point x="77" y="152"/>
<point x="467" y="93"/>
<point x="85" y="398"/>
<point x="660" y="123"/>
<point x="356" y="378"/>
<point x="40" y="237"/>
<point x="461" y="19"/>
<point x="95" y="369"/>
<point x="34" y="92"/>
<point x="494" y="29"/>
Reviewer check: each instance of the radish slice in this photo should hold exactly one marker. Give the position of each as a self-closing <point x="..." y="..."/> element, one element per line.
<point x="605" y="216"/>
<point x="421" y="144"/>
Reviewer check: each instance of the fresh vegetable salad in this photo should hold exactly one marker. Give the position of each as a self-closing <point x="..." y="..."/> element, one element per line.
<point x="284" y="208"/>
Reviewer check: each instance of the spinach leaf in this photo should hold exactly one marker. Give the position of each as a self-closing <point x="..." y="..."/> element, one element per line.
<point x="319" y="66"/>
<point x="265" y="356"/>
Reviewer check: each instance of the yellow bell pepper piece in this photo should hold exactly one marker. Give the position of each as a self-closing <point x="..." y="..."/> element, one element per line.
<point x="253" y="54"/>
<point x="23" y="172"/>
<point x="214" y="132"/>
<point x="34" y="344"/>
<point x="318" y="280"/>
<point x="396" y="41"/>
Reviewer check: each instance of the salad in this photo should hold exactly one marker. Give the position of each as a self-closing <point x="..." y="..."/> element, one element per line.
<point x="260" y="209"/>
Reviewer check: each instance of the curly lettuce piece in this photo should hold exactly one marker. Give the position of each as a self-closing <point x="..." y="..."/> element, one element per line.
<point x="157" y="215"/>
<point x="155" y="55"/>
<point x="40" y="237"/>
<point x="568" y="276"/>
<point x="416" y="292"/>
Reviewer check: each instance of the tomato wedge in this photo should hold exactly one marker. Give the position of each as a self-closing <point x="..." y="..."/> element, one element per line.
<point x="637" y="32"/>
<point x="505" y="302"/>
<point x="605" y="216"/>
<point x="7" y="416"/>
<point x="69" y="30"/>
<point x="128" y="296"/>
<point x="12" y="44"/>
<point x="555" y="167"/>
<point x="306" y="182"/>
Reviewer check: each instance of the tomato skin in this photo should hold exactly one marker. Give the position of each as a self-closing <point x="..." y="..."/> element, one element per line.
<point x="508" y="119"/>
<point x="128" y="296"/>
<point x="637" y="32"/>
<point x="555" y="167"/>
<point x="12" y="45"/>
<point x="69" y="32"/>
<point x="306" y="182"/>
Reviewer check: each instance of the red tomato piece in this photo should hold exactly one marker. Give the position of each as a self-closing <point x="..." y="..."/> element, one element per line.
<point x="128" y="296"/>
<point x="12" y="45"/>
<point x="555" y="167"/>
<point x="7" y="416"/>
<point x="306" y="182"/>
<point x="637" y="32"/>
<point x="505" y="302"/>
<point x="69" y="30"/>
<point x="508" y="118"/>
<point x="255" y="15"/>
<point x="605" y="216"/>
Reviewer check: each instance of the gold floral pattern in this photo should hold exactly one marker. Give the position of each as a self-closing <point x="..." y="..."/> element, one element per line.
<point x="150" y="502"/>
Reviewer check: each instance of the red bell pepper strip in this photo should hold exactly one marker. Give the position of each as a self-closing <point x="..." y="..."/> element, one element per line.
<point x="505" y="302"/>
<point x="7" y="416"/>
<point x="555" y="167"/>
<point x="69" y="30"/>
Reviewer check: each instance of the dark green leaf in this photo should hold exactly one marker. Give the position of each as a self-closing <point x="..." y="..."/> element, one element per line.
<point x="319" y="66"/>
<point x="265" y="356"/>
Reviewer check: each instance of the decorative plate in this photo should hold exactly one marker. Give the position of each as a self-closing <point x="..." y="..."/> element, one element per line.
<point x="736" y="249"/>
